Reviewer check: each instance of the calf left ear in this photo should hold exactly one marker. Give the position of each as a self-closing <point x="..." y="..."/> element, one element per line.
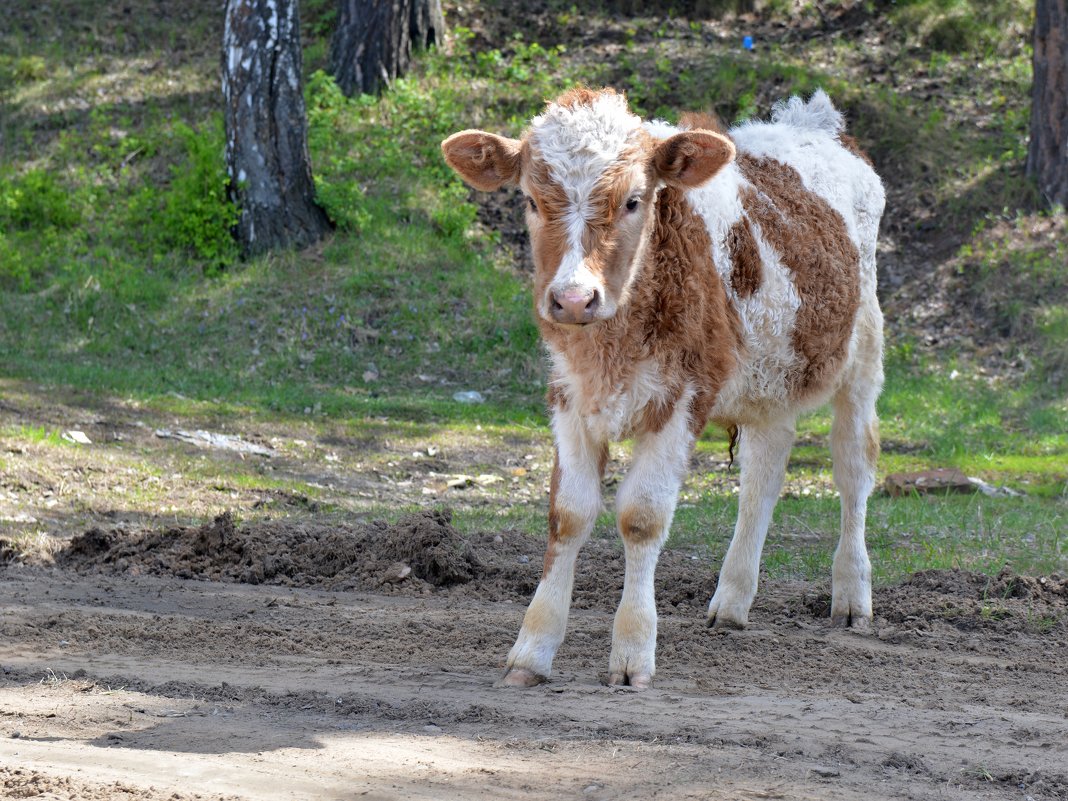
<point x="484" y="160"/>
<point x="690" y="158"/>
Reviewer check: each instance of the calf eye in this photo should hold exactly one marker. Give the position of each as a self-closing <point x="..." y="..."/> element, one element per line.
<point x="632" y="204"/>
<point x="533" y="205"/>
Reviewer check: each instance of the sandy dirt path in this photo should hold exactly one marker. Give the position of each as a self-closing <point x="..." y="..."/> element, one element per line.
<point x="117" y="686"/>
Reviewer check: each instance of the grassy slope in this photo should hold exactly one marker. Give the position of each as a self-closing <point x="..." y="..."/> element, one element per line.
<point x="118" y="283"/>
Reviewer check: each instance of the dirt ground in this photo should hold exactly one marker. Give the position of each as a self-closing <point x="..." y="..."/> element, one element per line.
<point x="284" y="660"/>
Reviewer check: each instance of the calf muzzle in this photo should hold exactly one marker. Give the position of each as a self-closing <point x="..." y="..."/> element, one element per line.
<point x="574" y="306"/>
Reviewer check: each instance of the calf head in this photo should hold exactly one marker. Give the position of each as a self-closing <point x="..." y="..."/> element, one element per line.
<point x="590" y="173"/>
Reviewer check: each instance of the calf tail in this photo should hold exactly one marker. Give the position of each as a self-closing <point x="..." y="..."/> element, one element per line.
<point x="817" y="114"/>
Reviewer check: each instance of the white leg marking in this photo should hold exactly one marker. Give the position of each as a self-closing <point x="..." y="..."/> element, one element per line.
<point x="763" y="452"/>
<point x="645" y="506"/>
<point x="574" y="506"/>
<point x="855" y="448"/>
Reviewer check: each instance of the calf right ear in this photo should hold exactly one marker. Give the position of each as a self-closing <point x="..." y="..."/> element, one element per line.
<point x="484" y="160"/>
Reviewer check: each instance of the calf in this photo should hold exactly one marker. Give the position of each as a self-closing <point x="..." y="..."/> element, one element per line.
<point x="685" y="275"/>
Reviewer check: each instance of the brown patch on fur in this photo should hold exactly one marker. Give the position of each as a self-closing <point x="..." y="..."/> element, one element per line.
<point x="547" y="226"/>
<point x="871" y="443"/>
<point x="640" y="525"/>
<point x="747" y="269"/>
<point x="581" y="96"/>
<point x="657" y="414"/>
<point x="563" y="525"/>
<point x="851" y="144"/>
<point x="555" y="397"/>
<point x="702" y="120"/>
<point x="813" y="242"/>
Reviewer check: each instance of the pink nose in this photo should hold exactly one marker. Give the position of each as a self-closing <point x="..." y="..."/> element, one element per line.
<point x="574" y="306"/>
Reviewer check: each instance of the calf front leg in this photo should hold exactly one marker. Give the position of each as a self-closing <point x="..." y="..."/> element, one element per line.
<point x="574" y="501"/>
<point x="645" y="506"/>
<point x="764" y="452"/>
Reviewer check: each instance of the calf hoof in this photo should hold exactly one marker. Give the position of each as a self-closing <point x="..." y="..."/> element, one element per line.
<point x="847" y="620"/>
<point x="639" y="681"/>
<point x="726" y="617"/>
<point x="520" y="677"/>
<point x="722" y="622"/>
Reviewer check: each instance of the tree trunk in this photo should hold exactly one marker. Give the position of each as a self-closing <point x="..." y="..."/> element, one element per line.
<point x="1047" y="155"/>
<point x="374" y="40"/>
<point x="266" y="137"/>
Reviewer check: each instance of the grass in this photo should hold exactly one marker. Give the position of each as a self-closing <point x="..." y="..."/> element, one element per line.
<point x="122" y="289"/>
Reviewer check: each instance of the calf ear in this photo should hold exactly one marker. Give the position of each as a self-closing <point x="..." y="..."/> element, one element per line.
<point x="484" y="160"/>
<point x="690" y="158"/>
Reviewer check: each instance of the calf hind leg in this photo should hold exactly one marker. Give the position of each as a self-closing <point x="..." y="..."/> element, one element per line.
<point x="763" y="452"/>
<point x="855" y="449"/>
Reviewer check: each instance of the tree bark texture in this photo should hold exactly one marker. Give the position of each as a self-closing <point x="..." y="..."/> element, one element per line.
<point x="266" y="132"/>
<point x="1047" y="154"/>
<point x="374" y="40"/>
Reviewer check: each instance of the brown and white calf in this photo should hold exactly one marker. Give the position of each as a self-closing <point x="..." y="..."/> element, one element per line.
<point x="683" y="275"/>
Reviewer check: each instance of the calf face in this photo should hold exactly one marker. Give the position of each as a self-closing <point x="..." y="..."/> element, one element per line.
<point x="589" y="173"/>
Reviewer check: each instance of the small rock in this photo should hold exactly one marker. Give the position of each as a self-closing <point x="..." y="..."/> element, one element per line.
<point x="15" y="735"/>
<point x="396" y="573"/>
<point x="432" y="729"/>
<point x="468" y="396"/>
<point x="497" y="539"/>
<point x="523" y="559"/>
<point x="993" y="492"/>
<point x="77" y="437"/>
<point x="943" y="480"/>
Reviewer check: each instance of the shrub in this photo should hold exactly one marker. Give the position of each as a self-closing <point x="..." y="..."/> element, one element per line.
<point x="196" y="213"/>
<point x="35" y="201"/>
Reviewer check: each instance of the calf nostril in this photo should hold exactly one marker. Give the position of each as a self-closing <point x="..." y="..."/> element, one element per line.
<point x="595" y="301"/>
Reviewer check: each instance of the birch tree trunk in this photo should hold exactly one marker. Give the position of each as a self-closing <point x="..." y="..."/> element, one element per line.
<point x="266" y="132"/>
<point x="375" y="39"/>
<point x="1047" y="154"/>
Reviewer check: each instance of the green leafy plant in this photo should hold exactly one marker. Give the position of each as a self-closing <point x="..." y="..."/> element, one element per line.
<point x="196" y="213"/>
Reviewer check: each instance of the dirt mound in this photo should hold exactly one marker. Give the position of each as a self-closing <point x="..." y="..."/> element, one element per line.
<point x="282" y="552"/>
<point x="969" y="600"/>
<point x="18" y="783"/>
<point x="421" y="553"/>
<point x="978" y="586"/>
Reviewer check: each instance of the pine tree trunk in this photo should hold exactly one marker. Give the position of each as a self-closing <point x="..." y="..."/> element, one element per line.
<point x="266" y="137"/>
<point x="1047" y="155"/>
<point x="374" y="40"/>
